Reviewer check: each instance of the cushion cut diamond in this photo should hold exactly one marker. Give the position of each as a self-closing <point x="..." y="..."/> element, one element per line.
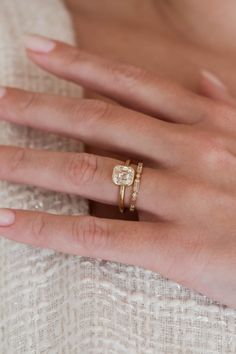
<point x="123" y="175"/>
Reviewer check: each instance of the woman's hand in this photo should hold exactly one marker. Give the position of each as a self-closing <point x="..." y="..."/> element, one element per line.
<point x="187" y="201"/>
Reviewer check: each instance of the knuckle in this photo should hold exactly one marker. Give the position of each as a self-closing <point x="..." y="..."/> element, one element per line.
<point x="29" y="101"/>
<point x="212" y="150"/>
<point x="87" y="113"/>
<point x="38" y="227"/>
<point x="222" y="114"/>
<point x="216" y="156"/>
<point x="128" y="75"/>
<point x="16" y="160"/>
<point x="81" y="169"/>
<point x="90" y="233"/>
<point x="73" y="57"/>
<point x="100" y="110"/>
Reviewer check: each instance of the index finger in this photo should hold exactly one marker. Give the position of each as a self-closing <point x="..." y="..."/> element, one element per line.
<point x="127" y="84"/>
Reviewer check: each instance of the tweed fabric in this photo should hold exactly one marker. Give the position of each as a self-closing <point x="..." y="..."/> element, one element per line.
<point x="51" y="303"/>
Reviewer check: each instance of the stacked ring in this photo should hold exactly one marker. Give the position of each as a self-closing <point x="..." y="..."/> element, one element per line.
<point x="125" y="176"/>
<point x="136" y="187"/>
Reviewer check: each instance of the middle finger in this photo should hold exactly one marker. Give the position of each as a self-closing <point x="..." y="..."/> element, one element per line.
<point x="107" y="126"/>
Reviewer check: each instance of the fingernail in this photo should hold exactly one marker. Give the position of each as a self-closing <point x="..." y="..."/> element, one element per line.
<point x="2" y="91"/>
<point x="7" y="217"/>
<point x="38" y="43"/>
<point x="214" y="79"/>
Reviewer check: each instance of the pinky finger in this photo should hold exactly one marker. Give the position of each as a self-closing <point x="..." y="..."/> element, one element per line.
<point x="142" y="244"/>
<point x="162" y="247"/>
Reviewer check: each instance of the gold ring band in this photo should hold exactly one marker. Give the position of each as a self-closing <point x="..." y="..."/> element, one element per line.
<point x="122" y="199"/>
<point x="136" y="187"/>
<point x="123" y="176"/>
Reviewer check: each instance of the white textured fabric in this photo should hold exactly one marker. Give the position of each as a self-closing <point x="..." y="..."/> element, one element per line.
<point x="52" y="303"/>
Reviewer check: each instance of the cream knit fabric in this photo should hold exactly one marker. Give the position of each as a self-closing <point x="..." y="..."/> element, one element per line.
<point x="52" y="303"/>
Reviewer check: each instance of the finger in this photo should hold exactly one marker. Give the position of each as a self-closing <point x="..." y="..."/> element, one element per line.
<point x="154" y="246"/>
<point x="95" y="122"/>
<point x="161" y="247"/>
<point x="84" y="174"/>
<point x="131" y="86"/>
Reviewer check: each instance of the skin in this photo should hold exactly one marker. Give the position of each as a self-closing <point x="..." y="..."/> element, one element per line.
<point x="187" y="199"/>
<point x="164" y="36"/>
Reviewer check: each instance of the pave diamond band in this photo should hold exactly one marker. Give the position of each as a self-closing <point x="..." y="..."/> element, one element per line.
<point x="136" y="186"/>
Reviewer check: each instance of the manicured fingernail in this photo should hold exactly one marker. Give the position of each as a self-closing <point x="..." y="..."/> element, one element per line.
<point x="7" y="217"/>
<point x="2" y="91"/>
<point x="214" y="79"/>
<point x="38" y="43"/>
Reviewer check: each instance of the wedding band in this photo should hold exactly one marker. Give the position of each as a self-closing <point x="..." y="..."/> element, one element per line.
<point x="123" y="176"/>
<point x="136" y="186"/>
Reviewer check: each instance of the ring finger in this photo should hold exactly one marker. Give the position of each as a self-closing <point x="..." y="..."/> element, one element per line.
<point x="84" y="174"/>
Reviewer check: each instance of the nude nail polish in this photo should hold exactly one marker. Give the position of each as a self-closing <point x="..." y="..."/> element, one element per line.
<point x="214" y="79"/>
<point x="38" y="44"/>
<point x="7" y="217"/>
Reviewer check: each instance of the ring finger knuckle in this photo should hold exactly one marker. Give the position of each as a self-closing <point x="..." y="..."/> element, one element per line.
<point x="81" y="169"/>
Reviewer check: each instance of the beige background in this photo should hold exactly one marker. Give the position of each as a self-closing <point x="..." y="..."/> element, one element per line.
<point x="57" y="304"/>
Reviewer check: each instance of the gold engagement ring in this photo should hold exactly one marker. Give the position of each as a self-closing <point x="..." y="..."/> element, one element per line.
<point x="126" y="176"/>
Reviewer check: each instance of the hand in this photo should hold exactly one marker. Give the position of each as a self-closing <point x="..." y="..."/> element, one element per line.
<point x="187" y="200"/>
